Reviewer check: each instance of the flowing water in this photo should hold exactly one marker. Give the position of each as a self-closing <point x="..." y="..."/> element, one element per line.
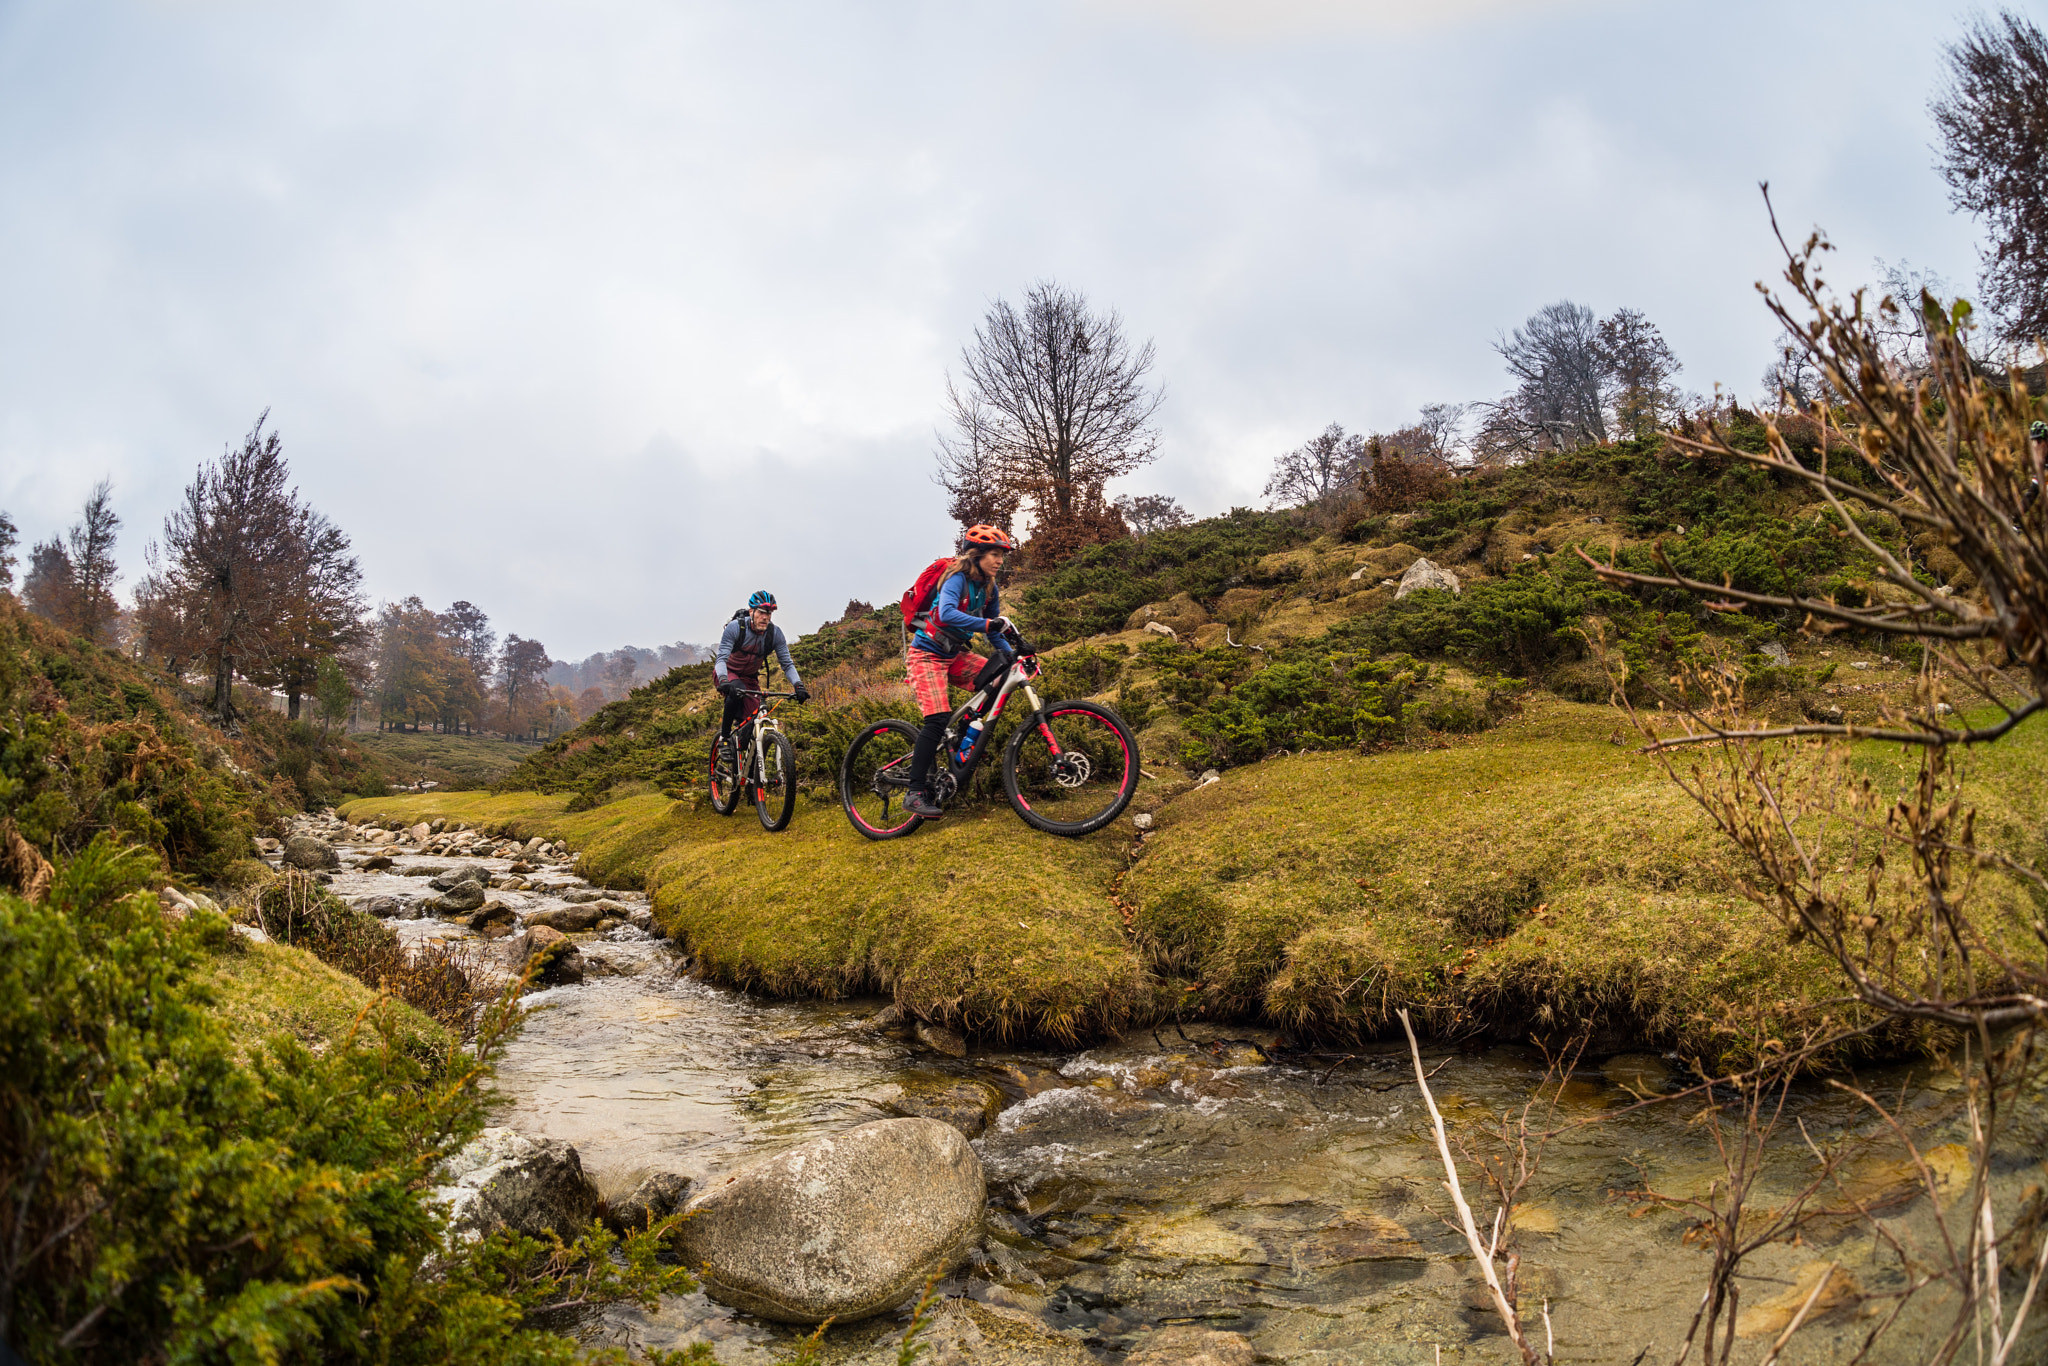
<point x="1203" y="1175"/>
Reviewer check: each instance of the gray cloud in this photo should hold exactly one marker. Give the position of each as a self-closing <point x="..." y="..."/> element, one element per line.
<point x="600" y="317"/>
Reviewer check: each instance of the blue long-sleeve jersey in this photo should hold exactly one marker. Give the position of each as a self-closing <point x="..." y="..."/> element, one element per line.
<point x="736" y="631"/>
<point x="965" y="609"/>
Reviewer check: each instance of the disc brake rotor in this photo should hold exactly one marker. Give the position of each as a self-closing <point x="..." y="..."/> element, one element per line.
<point x="1070" y="769"/>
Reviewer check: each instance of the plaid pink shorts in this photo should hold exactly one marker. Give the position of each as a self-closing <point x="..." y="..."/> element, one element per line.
<point x="929" y="675"/>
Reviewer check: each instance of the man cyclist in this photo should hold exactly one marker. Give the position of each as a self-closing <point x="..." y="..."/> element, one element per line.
<point x="742" y="648"/>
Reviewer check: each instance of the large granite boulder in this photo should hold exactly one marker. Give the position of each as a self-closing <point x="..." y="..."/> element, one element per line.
<point x="842" y="1227"/>
<point x="1423" y="574"/>
<point x="304" y="851"/>
<point x="504" y="1179"/>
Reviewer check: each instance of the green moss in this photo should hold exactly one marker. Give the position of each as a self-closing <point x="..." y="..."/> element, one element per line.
<point x="271" y="990"/>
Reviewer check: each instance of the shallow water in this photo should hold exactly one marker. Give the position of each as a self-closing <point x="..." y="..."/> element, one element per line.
<point x="1201" y="1175"/>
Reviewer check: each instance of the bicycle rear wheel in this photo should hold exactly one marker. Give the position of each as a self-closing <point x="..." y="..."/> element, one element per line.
<point x="775" y="789"/>
<point x="1071" y="769"/>
<point x="874" y="779"/>
<point x="723" y="770"/>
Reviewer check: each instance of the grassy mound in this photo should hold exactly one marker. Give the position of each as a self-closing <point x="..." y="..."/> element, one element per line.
<point x="1538" y="876"/>
<point x="975" y="920"/>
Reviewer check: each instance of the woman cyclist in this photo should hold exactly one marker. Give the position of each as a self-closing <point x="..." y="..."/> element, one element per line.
<point x="747" y="641"/>
<point x="967" y="601"/>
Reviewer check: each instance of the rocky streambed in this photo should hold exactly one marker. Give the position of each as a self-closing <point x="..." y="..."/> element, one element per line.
<point x="1196" y="1193"/>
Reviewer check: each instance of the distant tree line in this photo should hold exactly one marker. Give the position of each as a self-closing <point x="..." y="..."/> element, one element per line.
<point x="249" y="583"/>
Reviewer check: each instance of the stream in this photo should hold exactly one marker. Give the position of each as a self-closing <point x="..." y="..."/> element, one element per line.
<point x="1197" y="1175"/>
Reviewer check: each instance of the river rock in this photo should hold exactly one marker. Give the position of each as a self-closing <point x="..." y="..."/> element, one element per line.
<point x="841" y="1227"/>
<point x="376" y="864"/>
<point x="383" y="907"/>
<point x="304" y="851"/>
<point x="492" y="913"/>
<point x="418" y="834"/>
<point x="460" y="899"/>
<point x="567" y="919"/>
<point x="966" y="1105"/>
<point x="1422" y="574"/>
<point x="473" y="872"/>
<point x="659" y="1196"/>
<point x="560" y="962"/>
<point x="1190" y="1344"/>
<point x="504" y="1179"/>
<point x="577" y="895"/>
<point x="940" y="1039"/>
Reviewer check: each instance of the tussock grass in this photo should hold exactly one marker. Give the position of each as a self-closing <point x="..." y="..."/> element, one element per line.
<point x="1539" y="878"/>
<point x="267" y="990"/>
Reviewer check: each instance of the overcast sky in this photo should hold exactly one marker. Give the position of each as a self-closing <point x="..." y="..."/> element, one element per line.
<point x="602" y="315"/>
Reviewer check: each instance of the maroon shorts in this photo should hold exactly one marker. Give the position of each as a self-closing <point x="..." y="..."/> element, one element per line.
<point x="929" y="675"/>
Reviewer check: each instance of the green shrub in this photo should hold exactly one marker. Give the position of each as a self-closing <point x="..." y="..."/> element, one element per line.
<point x="166" y="1199"/>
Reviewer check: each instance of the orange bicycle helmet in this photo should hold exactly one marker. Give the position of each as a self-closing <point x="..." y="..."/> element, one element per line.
<point x="987" y="537"/>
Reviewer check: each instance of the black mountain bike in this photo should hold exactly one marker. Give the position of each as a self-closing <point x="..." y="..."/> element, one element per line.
<point x="756" y="760"/>
<point x="1070" y="769"/>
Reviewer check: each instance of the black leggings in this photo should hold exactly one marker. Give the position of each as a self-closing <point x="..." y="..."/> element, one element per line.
<point x="739" y="709"/>
<point x="927" y="750"/>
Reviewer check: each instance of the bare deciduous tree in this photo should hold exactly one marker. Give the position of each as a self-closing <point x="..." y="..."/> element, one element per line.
<point x="1053" y="402"/>
<point x="972" y="475"/>
<point x="1149" y="512"/>
<point x="1561" y="399"/>
<point x="1328" y="465"/>
<point x="1993" y="119"/>
<point x="319" y="607"/>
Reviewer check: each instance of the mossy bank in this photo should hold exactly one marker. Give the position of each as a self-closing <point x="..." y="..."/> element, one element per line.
<point x="1540" y="877"/>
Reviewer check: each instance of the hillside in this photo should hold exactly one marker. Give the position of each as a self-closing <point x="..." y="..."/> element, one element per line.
<point x="1425" y="801"/>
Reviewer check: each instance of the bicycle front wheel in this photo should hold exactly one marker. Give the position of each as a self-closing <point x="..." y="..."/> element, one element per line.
<point x="775" y="786"/>
<point x="723" y="767"/>
<point x="1071" y="769"/>
<point x="874" y="779"/>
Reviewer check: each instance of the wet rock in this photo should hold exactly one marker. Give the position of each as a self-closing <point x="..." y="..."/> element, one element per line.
<point x="520" y="866"/>
<point x="1191" y="1345"/>
<point x="504" y="1179"/>
<point x="1030" y="1079"/>
<point x="377" y="864"/>
<point x="1423" y="574"/>
<point x="383" y="907"/>
<point x="304" y="851"/>
<point x="577" y="895"/>
<point x="1770" y="1317"/>
<point x="890" y="1016"/>
<point x="460" y="899"/>
<point x="557" y="959"/>
<point x="968" y="1106"/>
<point x="443" y="881"/>
<point x="659" y="1196"/>
<point x="842" y="1227"/>
<point x="419" y="833"/>
<point x="940" y="1039"/>
<point x="567" y="919"/>
<point x="426" y="872"/>
<point x="642" y="918"/>
<point x="492" y="913"/>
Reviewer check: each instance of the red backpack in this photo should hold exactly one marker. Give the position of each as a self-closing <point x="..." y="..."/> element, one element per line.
<point x="920" y="594"/>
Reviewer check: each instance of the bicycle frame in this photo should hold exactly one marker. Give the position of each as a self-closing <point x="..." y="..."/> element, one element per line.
<point x="754" y="773"/>
<point x="1022" y="670"/>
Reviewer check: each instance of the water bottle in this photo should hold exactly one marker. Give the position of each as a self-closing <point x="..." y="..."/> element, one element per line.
<point x="967" y="740"/>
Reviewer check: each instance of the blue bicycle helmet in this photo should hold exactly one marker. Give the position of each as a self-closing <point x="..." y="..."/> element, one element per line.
<point x="764" y="598"/>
